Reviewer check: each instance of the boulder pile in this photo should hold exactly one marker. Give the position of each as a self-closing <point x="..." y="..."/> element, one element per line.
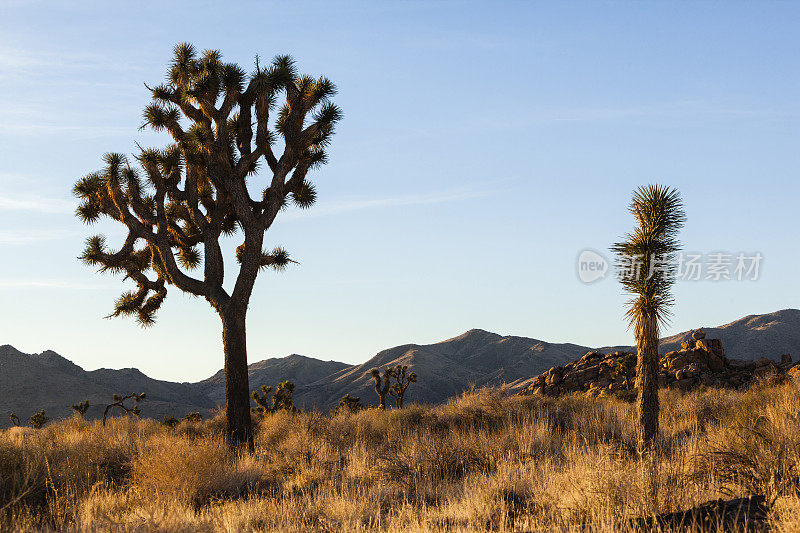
<point x="699" y="362"/>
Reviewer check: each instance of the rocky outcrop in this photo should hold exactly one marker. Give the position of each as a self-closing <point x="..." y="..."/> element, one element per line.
<point x="700" y="362"/>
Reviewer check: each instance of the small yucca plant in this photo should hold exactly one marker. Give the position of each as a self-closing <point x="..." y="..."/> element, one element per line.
<point x="382" y="384"/>
<point x="193" y="417"/>
<point x="403" y="379"/>
<point x="38" y="420"/>
<point x="81" y="408"/>
<point x="119" y="402"/>
<point x="348" y="404"/>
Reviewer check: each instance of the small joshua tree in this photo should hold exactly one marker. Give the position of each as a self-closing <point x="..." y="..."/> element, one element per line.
<point x="280" y="401"/>
<point x="351" y="404"/>
<point x="402" y="380"/>
<point x="262" y="399"/>
<point x="119" y="402"/>
<point x="382" y="384"/>
<point x="81" y="408"/>
<point x="38" y="420"/>
<point x="14" y="419"/>
<point x="193" y="417"/>
<point x="170" y="421"/>
<point x="222" y="176"/>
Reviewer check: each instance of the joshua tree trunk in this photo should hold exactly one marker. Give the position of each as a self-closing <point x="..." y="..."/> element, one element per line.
<point x="647" y="378"/>
<point x="237" y="383"/>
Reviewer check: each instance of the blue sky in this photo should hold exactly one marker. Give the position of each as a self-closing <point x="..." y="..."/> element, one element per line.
<point x="484" y="145"/>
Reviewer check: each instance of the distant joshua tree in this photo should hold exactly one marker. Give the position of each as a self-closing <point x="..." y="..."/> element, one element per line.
<point x="647" y="271"/>
<point x="14" y="419"/>
<point x="170" y="421"/>
<point x="119" y="402"/>
<point x="38" y="420"/>
<point x="350" y="404"/>
<point x="262" y="399"/>
<point x="402" y="380"/>
<point x="81" y="408"/>
<point x="280" y="401"/>
<point x="180" y="200"/>
<point x="382" y="384"/>
<point x="193" y="417"/>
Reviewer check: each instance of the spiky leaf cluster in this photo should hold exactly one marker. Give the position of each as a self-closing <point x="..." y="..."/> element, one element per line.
<point x="659" y="215"/>
<point x="81" y="408"/>
<point x="382" y="384"/>
<point x="402" y="380"/>
<point x="348" y="404"/>
<point x="262" y="399"/>
<point x="193" y="417"/>
<point x="119" y="402"/>
<point x="176" y="202"/>
<point x="281" y="400"/>
<point x="38" y="420"/>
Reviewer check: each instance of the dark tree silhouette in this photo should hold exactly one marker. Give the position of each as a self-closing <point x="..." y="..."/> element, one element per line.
<point x="119" y="402"/>
<point x="382" y="384"/>
<point x="183" y="198"/>
<point x="193" y="417"/>
<point x="38" y="420"/>
<point x="348" y="404"/>
<point x="402" y="380"/>
<point x="81" y="408"/>
<point x="647" y="270"/>
<point x="280" y="401"/>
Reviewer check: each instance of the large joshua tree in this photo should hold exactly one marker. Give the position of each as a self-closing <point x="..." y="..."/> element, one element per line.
<point x="646" y="257"/>
<point x="177" y="202"/>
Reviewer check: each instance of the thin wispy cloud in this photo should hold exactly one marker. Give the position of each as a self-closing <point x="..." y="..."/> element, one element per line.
<point x="49" y="284"/>
<point x="347" y="206"/>
<point x="29" y="236"/>
<point x="15" y="61"/>
<point x="37" y="203"/>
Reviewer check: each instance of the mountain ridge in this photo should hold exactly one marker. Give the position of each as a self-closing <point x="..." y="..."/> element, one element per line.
<point x="475" y="358"/>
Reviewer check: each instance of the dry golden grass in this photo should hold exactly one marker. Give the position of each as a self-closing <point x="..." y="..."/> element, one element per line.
<point x="483" y="461"/>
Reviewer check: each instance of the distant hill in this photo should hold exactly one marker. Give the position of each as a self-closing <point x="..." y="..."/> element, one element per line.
<point x="298" y="369"/>
<point x="476" y="358"/>
<point x="50" y="382"/>
<point x="751" y="337"/>
<point x="29" y="382"/>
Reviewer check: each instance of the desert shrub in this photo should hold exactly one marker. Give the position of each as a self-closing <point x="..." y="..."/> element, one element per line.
<point x="38" y="420"/>
<point x="193" y="418"/>
<point x="483" y="461"/>
<point x="203" y="471"/>
<point x="81" y="408"/>
<point x="760" y="458"/>
<point x="348" y="404"/>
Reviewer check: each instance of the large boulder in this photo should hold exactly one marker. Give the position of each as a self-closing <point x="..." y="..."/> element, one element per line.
<point x="700" y="362"/>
